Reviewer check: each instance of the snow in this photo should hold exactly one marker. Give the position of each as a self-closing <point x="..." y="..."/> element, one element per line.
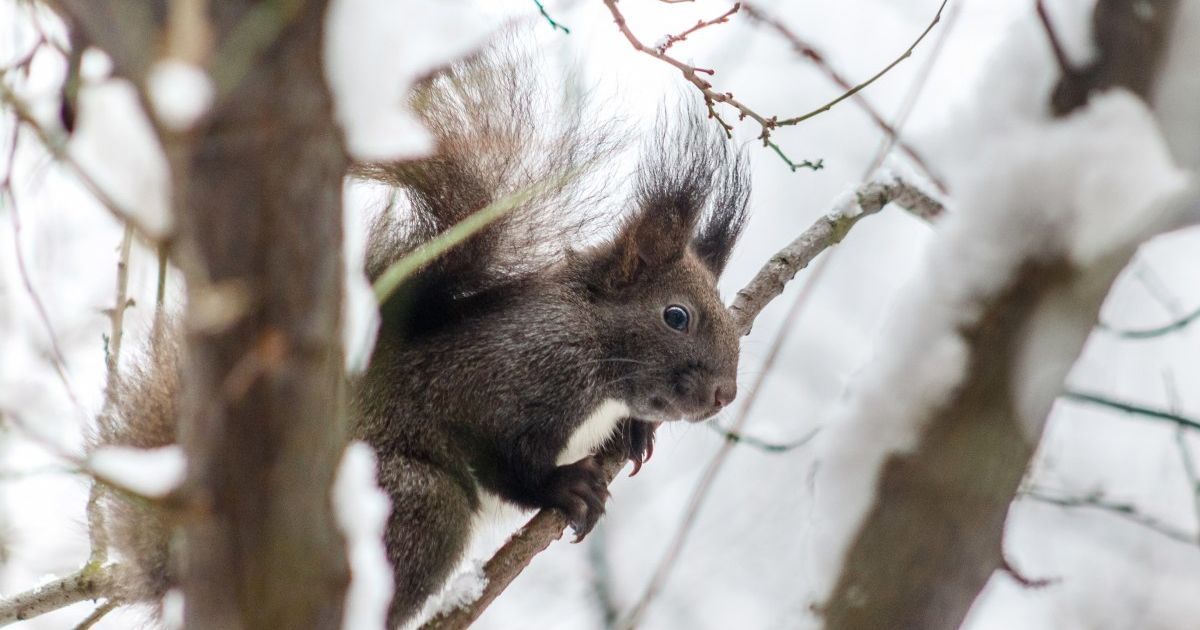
<point x="376" y="49"/>
<point x="465" y="587"/>
<point x="180" y="93"/>
<point x="360" y="311"/>
<point x="153" y="472"/>
<point x="115" y="145"/>
<point x="361" y="509"/>
<point x="1085" y="189"/>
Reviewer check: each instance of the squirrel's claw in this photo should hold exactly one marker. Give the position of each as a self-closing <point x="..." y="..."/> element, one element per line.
<point x="638" y="439"/>
<point x="580" y="490"/>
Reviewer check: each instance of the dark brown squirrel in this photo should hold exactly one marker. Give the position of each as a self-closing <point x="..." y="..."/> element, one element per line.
<point x="503" y="365"/>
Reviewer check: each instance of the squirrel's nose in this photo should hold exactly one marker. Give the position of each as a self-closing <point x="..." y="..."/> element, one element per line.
<point x="724" y="393"/>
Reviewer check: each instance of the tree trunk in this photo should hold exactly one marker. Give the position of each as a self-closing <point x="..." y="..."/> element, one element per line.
<point x="258" y="201"/>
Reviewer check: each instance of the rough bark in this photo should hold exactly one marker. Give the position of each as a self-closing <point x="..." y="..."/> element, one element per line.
<point x="257" y="193"/>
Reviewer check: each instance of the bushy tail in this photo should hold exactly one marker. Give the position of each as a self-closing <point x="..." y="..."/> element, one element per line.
<point x="146" y="401"/>
<point x="503" y="130"/>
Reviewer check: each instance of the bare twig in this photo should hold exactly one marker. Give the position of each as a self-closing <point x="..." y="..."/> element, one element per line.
<point x="758" y="443"/>
<point x="116" y="316"/>
<point x="910" y="98"/>
<point x="1132" y="408"/>
<point x="826" y="232"/>
<point x="671" y="40"/>
<point x="1126" y="511"/>
<point x="57" y="358"/>
<point x="1185" y="452"/>
<point x="851" y="90"/>
<point x="98" y="614"/>
<point x="1150" y="333"/>
<point x="93" y="581"/>
<point x="558" y="26"/>
<point x="1060" y="54"/>
<point x="692" y="75"/>
<point x="767" y="123"/>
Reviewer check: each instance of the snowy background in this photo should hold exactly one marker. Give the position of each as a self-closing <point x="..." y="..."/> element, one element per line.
<point x="748" y="563"/>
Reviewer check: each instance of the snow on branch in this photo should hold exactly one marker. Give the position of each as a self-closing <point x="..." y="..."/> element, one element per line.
<point x="918" y="474"/>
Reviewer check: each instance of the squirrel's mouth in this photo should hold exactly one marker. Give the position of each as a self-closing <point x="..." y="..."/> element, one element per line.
<point x="665" y="410"/>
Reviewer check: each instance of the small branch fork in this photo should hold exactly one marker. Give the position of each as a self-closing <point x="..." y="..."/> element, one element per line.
<point x="701" y="24"/>
<point x="548" y="525"/>
<point x="768" y="124"/>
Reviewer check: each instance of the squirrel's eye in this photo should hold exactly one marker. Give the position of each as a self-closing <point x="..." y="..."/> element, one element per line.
<point x="676" y="317"/>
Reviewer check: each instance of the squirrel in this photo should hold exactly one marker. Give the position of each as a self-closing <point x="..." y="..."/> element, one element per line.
<point x="503" y="365"/>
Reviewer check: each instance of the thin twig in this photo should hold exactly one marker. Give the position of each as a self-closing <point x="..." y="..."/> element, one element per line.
<point x="671" y="40"/>
<point x="1126" y="511"/>
<point x="767" y="124"/>
<point x="808" y="51"/>
<point x="826" y="232"/>
<point x="893" y="139"/>
<point x="98" y="614"/>
<point x="1132" y="408"/>
<point x="1185" y="452"/>
<point x="1060" y="54"/>
<point x="763" y="445"/>
<point x="558" y="26"/>
<point x="90" y="582"/>
<point x="116" y="317"/>
<point x="1150" y="333"/>
<point x="57" y="358"/>
<point x="858" y="88"/>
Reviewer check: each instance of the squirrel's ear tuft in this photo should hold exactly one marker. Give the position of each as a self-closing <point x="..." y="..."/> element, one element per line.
<point x="721" y="227"/>
<point x="658" y="233"/>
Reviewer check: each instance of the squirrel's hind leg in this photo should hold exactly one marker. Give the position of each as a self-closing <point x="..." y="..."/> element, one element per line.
<point x="428" y="530"/>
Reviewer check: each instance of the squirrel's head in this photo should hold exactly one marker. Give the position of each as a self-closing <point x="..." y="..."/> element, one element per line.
<point x="672" y="347"/>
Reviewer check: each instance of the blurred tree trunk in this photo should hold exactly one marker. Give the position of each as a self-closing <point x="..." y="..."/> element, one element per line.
<point x="258" y="202"/>
<point x="257" y="194"/>
<point x="933" y="536"/>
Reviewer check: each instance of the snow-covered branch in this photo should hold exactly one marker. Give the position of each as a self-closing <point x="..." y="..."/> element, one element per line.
<point x="918" y="473"/>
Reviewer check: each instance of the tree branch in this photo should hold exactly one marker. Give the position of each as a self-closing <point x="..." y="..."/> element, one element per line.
<point x="769" y="123"/>
<point x="1127" y="511"/>
<point x="93" y="581"/>
<point x="829" y="230"/>
<point x="1132" y="408"/>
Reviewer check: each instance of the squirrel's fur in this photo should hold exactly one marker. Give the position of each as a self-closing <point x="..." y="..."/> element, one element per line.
<point x="490" y="358"/>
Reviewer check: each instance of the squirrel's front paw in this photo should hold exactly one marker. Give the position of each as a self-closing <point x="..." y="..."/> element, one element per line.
<point x="634" y="440"/>
<point x="579" y="490"/>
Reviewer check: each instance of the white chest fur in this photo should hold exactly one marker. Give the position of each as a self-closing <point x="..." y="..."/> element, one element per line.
<point x="597" y="428"/>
